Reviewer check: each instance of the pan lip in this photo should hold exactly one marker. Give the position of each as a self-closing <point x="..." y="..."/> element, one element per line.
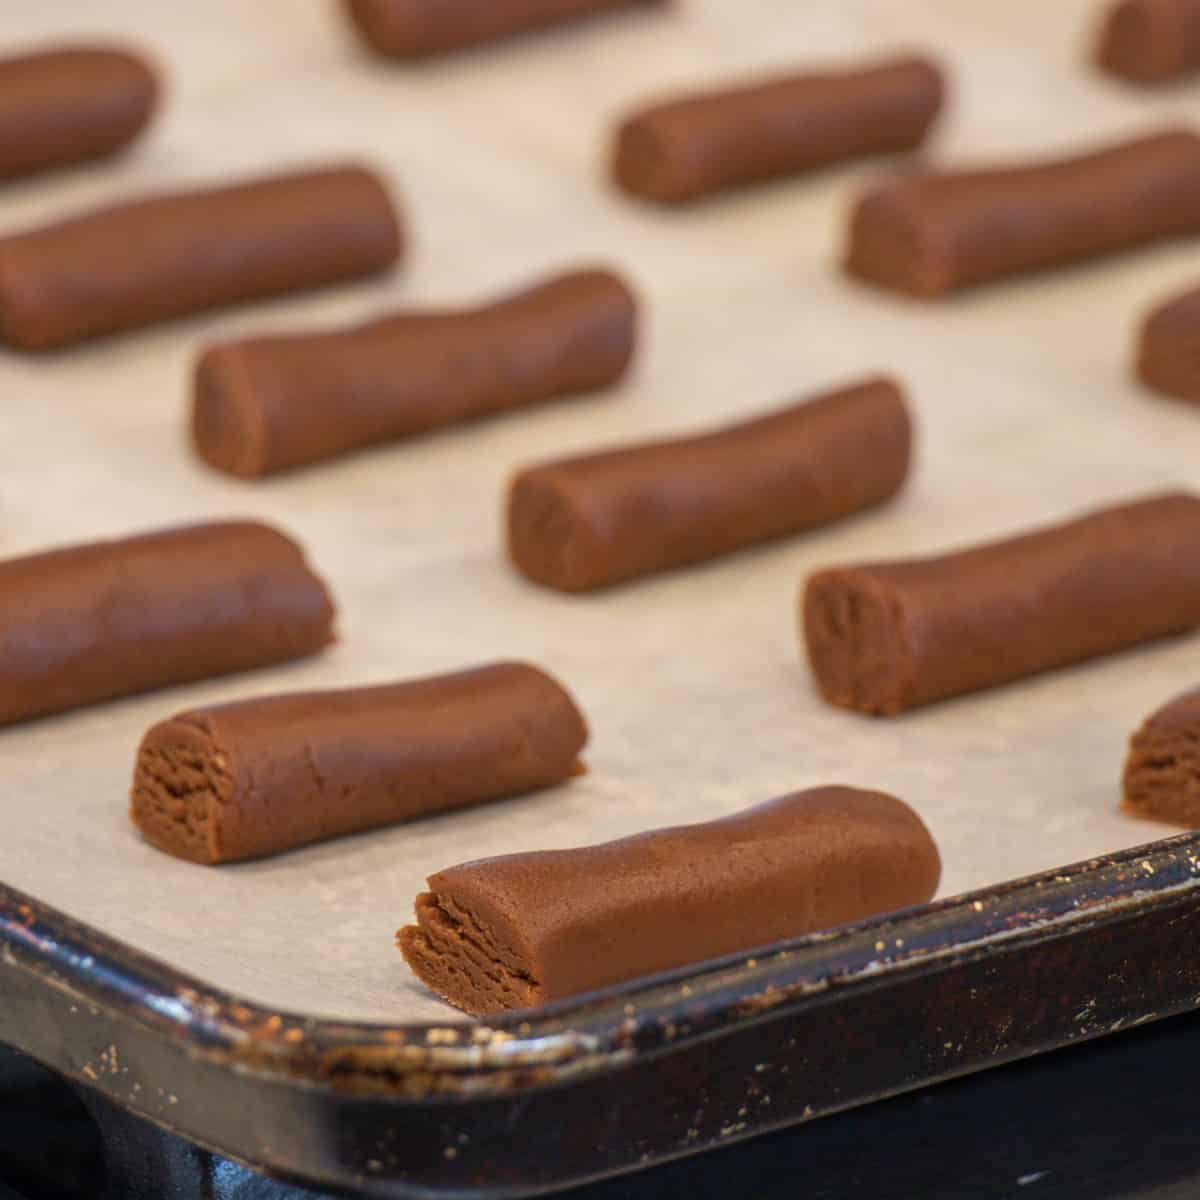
<point x="601" y="1031"/>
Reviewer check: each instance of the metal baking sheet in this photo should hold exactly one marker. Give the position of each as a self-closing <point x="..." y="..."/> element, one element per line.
<point x="195" y="996"/>
<point x="698" y="699"/>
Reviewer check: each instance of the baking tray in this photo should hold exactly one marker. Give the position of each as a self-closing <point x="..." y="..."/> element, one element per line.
<point x="260" y="1009"/>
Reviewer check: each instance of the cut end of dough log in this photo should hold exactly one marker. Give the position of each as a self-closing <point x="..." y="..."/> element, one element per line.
<point x="548" y="537"/>
<point x="852" y="634"/>
<point x="179" y="781"/>
<point x="1168" y="353"/>
<point x="1162" y="772"/>
<point x="1142" y="40"/>
<point x="227" y="429"/>
<point x="889" y="247"/>
<point x="458" y="956"/>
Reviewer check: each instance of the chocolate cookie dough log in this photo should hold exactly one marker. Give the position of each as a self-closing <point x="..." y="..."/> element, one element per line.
<point x="1168" y="353"/>
<point x="1149" y="41"/>
<point x="525" y="929"/>
<point x="1162" y="771"/>
<point x="587" y="522"/>
<point x="69" y="104"/>
<point x="933" y="232"/>
<point x="111" y="618"/>
<point x="260" y="776"/>
<point x="141" y="262"/>
<point x="419" y="29"/>
<point x="696" y="145"/>
<point x="886" y="637"/>
<point x="267" y="404"/>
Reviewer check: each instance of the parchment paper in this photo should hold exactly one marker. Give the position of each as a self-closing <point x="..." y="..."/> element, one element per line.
<point x="698" y="700"/>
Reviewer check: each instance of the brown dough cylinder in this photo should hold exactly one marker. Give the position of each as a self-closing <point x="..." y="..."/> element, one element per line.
<point x="930" y="233"/>
<point x="1168" y="353"/>
<point x="696" y="145"/>
<point x="525" y="929"/>
<point x="886" y="637"/>
<point x="259" y="776"/>
<point x="1148" y="41"/>
<point x="1162" y="771"/>
<point x="110" y="618"/>
<point x="419" y="29"/>
<point x="587" y="522"/>
<point x="267" y="404"/>
<point x="141" y="262"/>
<point x="70" y="104"/>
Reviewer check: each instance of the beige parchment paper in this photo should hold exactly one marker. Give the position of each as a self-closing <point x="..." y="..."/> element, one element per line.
<point x="698" y="700"/>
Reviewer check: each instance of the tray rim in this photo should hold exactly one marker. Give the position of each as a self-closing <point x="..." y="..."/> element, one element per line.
<point x="1061" y="957"/>
<point x="599" y="1031"/>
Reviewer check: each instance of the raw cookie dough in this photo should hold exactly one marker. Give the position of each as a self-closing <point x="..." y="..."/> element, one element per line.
<point x="1168" y="353"/>
<point x="703" y="143"/>
<point x="525" y="929"/>
<point x="1162" y="772"/>
<point x="586" y="522"/>
<point x="109" y="618"/>
<point x="266" y="404"/>
<point x="259" y="776"/>
<point x="144" y="261"/>
<point x="886" y="637"/>
<point x="1149" y="41"/>
<point x="930" y="233"/>
<point x="71" y="103"/>
<point x="420" y="28"/>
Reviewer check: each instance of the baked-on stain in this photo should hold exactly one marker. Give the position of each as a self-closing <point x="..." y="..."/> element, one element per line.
<point x="419" y="29"/>
<point x="1168" y="350"/>
<point x="110" y="618"/>
<point x="70" y="103"/>
<point x="705" y="142"/>
<point x="931" y="232"/>
<point x="270" y="403"/>
<point x="1150" y="41"/>
<point x="260" y="776"/>
<point x="147" y="260"/>
<point x="587" y="522"/>
<point x="1162" y="770"/>
<point x="524" y="929"/>
<point x="889" y="636"/>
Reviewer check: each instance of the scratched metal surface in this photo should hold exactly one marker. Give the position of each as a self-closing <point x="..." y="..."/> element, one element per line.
<point x="698" y="700"/>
